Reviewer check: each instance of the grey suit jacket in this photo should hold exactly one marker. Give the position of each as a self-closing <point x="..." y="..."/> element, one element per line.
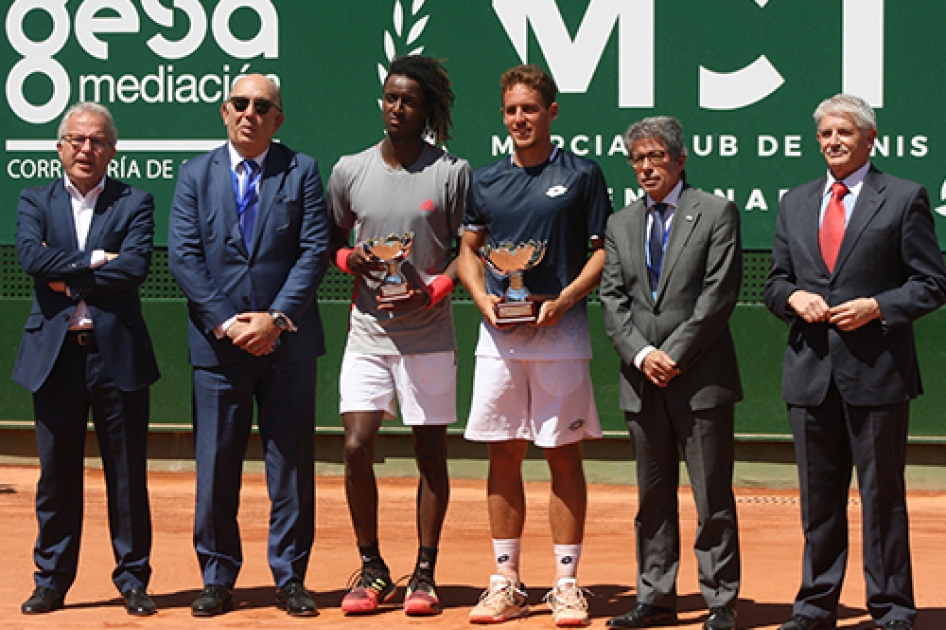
<point x="689" y="320"/>
<point x="890" y="253"/>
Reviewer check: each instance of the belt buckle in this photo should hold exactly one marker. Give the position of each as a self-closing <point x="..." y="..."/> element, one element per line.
<point x="85" y="338"/>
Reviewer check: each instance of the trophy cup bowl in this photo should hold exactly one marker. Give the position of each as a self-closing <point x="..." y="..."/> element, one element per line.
<point x="391" y="251"/>
<point x="511" y="261"/>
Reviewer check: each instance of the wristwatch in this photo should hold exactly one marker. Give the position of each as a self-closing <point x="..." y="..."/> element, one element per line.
<point x="279" y="320"/>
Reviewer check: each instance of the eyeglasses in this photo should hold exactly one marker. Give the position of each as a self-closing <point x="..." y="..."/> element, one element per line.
<point x="656" y="158"/>
<point x="77" y="142"/>
<point x="261" y="105"/>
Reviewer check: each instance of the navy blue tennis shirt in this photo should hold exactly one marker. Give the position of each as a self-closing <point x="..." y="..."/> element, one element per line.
<point x="563" y="201"/>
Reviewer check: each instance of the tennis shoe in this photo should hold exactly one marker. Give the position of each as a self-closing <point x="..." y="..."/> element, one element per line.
<point x="502" y="601"/>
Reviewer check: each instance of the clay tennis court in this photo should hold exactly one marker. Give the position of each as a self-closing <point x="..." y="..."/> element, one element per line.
<point x="769" y="526"/>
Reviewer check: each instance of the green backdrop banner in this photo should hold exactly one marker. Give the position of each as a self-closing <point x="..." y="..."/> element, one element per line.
<point x="743" y="76"/>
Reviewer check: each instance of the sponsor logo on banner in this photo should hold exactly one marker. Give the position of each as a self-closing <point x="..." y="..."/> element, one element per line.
<point x="166" y="83"/>
<point x="151" y="62"/>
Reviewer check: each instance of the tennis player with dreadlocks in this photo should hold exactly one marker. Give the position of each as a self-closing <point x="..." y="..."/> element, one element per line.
<point x="400" y="354"/>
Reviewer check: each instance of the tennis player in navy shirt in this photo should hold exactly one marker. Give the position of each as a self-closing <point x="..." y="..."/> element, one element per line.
<point x="532" y="382"/>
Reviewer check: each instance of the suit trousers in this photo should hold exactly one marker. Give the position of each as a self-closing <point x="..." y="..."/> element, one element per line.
<point x="79" y="381"/>
<point x="284" y="394"/>
<point x="659" y="433"/>
<point x="829" y="440"/>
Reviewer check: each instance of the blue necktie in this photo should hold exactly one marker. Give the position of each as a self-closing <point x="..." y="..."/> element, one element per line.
<point x="656" y="243"/>
<point x="248" y="200"/>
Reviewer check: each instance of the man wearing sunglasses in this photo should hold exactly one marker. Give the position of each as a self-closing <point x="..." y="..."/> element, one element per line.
<point x="86" y="240"/>
<point x="248" y="245"/>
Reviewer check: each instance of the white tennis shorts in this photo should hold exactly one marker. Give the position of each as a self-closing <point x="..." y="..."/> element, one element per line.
<point x="550" y="403"/>
<point x="424" y="386"/>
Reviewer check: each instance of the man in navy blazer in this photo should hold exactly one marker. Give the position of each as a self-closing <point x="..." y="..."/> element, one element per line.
<point x="248" y="246"/>
<point x="855" y="262"/>
<point x="86" y="239"/>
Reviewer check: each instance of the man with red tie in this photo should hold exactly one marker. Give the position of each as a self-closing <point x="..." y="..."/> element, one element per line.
<point x="855" y="262"/>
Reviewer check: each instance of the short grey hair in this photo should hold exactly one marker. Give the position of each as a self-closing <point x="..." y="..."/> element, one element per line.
<point x="848" y="105"/>
<point x="667" y="129"/>
<point x="111" y="131"/>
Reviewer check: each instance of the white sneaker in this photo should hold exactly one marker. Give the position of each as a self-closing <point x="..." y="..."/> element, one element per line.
<point x="502" y="601"/>
<point x="568" y="604"/>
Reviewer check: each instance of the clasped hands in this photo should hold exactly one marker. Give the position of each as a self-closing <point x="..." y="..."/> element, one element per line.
<point x="254" y="332"/>
<point x="659" y="368"/>
<point x="847" y="316"/>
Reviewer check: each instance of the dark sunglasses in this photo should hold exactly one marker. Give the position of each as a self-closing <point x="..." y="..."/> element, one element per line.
<point x="261" y="105"/>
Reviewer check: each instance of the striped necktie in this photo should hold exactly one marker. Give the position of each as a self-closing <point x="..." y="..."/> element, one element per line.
<point x="656" y="242"/>
<point x="248" y="201"/>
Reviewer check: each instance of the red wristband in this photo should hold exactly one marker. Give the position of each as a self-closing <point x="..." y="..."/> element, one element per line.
<point x="439" y="288"/>
<point x="341" y="259"/>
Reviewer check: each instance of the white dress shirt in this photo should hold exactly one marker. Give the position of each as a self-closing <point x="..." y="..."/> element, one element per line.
<point x="83" y="208"/>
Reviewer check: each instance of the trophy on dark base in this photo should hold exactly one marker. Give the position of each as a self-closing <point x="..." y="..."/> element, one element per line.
<point x="512" y="261"/>
<point x="390" y="251"/>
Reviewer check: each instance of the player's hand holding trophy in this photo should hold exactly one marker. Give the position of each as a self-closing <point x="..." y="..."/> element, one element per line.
<point x="391" y="251"/>
<point x="512" y="261"/>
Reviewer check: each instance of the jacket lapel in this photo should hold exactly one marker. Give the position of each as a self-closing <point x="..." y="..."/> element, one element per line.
<point x="869" y="202"/>
<point x="274" y="172"/>
<point x="812" y="224"/>
<point x="61" y="225"/>
<point x="222" y="186"/>
<point x="636" y="234"/>
<point x="109" y="195"/>
<point x="685" y="218"/>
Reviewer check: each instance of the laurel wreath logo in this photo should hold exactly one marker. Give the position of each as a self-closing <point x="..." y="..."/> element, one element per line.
<point x="396" y="42"/>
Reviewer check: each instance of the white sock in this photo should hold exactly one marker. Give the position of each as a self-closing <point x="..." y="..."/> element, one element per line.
<point x="506" y="551"/>
<point x="566" y="560"/>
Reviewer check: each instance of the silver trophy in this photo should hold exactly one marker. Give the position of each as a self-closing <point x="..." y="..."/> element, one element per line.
<point x="391" y="251"/>
<point x="508" y="260"/>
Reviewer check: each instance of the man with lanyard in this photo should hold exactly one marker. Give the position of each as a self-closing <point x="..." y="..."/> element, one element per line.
<point x="670" y="284"/>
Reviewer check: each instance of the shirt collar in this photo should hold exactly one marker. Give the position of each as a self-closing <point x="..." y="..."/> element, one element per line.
<point x="551" y="158"/>
<point x="236" y="158"/>
<point x="671" y="199"/>
<point x="73" y="190"/>
<point x="852" y="181"/>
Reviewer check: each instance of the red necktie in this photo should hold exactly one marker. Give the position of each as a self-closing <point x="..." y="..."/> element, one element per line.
<point x="832" y="225"/>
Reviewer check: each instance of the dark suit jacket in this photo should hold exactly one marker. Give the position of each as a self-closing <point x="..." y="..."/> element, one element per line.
<point x="123" y="222"/>
<point x="289" y="255"/>
<point x="698" y="288"/>
<point x="890" y="253"/>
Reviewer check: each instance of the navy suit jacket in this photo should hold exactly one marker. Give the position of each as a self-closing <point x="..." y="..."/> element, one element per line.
<point x="283" y="269"/>
<point x="889" y="252"/>
<point x="123" y="222"/>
